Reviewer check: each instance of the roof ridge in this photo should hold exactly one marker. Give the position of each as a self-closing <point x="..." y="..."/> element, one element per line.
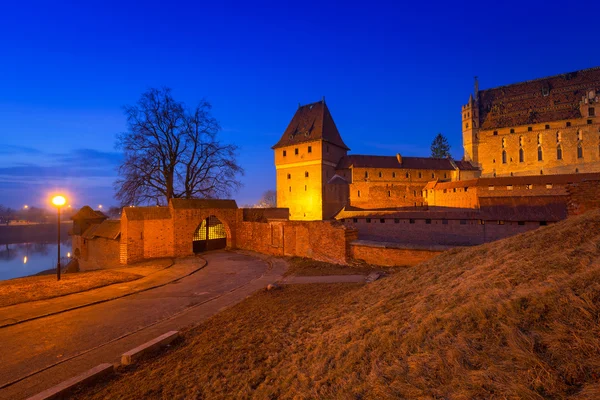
<point x="541" y="79"/>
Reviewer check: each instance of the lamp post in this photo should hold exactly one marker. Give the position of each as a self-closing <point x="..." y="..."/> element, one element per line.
<point x="58" y="201"/>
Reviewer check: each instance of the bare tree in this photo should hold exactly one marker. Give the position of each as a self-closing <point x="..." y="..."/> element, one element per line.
<point x="268" y="200"/>
<point x="172" y="152"/>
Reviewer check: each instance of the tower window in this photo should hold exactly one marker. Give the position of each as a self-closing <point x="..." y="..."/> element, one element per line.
<point x="559" y="152"/>
<point x="547" y="126"/>
<point x="467" y="125"/>
<point x="579" y="135"/>
<point x="306" y="174"/>
<point x="558" y="137"/>
<point x="591" y="111"/>
<point x="305" y="188"/>
<point x="368" y="220"/>
<point x="380" y="174"/>
<point x="284" y="153"/>
<point x="512" y="130"/>
<point x="366" y="174"/>
<point x="407" y="175"/>
<point x="540" y="153"/>
<point x="358" y="194"/>
<point x="382" y="221"/>
<point x="420" y="175"/>
<point x="393" y="174"/>
<point x="290" y="188"/>
<point x="569" y="123"/>
<point x="589" y="121"/>
<point x="579" y="150"/>
<point x="445" y="175"/>
<point x="389" y="193"/>
<point x="289" y="176"/>
<point x="296" y="151"/>
<point x="432" y="175"/>
<point x="529" y="129"/>
<point x="310" y="149"/>
<point x="495" y="133"/>
<point x="503" y="156"/>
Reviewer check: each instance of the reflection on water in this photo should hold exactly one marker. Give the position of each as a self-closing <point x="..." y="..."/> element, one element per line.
<point x="24" y="259"/>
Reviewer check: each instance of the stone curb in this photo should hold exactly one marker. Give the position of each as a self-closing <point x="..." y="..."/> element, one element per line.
<point x="4" y="325"/>
<point x="133" y="355"/>
<point x="63" y="388"/>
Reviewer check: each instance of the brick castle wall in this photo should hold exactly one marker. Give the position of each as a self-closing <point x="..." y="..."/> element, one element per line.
<point x="391" y="256"/>
<point x="583" y="196"/>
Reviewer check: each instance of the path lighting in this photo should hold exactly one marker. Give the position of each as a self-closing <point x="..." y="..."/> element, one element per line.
<point x="100" y="206"/>
<point x="58" y="201"/>
<point x="25" y="207"/>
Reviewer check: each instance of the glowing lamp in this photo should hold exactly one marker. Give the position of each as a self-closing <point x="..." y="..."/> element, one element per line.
<point x="59" y="201"/>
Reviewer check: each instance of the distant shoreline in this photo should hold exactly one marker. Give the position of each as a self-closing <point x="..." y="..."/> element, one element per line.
<point x="11" y="234"/>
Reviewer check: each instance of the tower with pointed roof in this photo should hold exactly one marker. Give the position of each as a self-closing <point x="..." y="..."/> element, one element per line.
<point x="306" y="157"/>
<point x="470" y="129"/>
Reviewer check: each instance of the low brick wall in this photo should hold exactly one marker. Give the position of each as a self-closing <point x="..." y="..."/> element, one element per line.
<point x="583" y="196"/>
<point x="392" y="254"/>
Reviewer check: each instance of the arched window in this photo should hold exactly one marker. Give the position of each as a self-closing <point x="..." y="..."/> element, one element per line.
<point x="521" y="155"/>
<point x="520" y="140"/>
<point x="503" y="156"/>
<point x="366" y="174"/>
<point x="540" y="153"/>
<point x="539" y="138"/>
<point x="503" y="143"/>
<point x="579" y="135"/>
<point x="559" y="152"/>
<point x="558" y="137"/>
<point x="380" y="174"/>
<point x="579" y="150"/>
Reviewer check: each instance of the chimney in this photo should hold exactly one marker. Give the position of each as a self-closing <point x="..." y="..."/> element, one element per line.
<point x="399" y="158"/>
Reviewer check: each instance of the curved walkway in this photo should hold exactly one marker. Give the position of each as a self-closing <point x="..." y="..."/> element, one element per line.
<point x="175" y="271"/>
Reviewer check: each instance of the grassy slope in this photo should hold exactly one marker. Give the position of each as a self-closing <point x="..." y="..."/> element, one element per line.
<point x="299" y="266"/>
<point x="43" y="287"/>
<point x="515" y="318"/>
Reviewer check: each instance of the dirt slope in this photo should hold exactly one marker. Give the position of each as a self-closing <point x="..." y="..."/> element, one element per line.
<point x="518" y="318"/>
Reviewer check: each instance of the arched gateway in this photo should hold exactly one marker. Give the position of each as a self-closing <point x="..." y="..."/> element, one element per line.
<point x="209" y="235"/>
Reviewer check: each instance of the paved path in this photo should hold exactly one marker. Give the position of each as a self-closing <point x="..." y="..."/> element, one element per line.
<point x="62" y="345"/>
<point x="171" y="271"/>
<point x="291" y="280"/>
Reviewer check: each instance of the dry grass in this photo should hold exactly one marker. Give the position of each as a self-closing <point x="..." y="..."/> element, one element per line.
<point x="518" y="318"/>
<point x="299" y="266"/>
<point x="43" y="287"/>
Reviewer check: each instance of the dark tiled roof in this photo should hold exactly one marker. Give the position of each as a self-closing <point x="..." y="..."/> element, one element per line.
<point x="518" y="180"/>
<point x="548" y="99"/>
<point x="361" y="161"/>
<point x="109" y="229"/>
<point x="146" y="213"/>
<point x="86" y="212"/>
<point x="202" y="203"/>
<point x="311" y="122"/>
<point x="465" y="166"/>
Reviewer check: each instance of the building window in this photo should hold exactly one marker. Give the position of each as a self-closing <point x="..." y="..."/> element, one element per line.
<point x="500" y="222"/>
<point x="559" y="152"/>
<point x="407" y="175"/>
<point x="509" y="187"/>
<point x="396" y="220"/>
<point x="591" y="112"/>
<point x="389" y="193"/>
<point x="579" y="135"/>
<point x="521" y="223"/>
<point x="355" y="220"/>
<point x="579" y="150"/>
<point x="540" y="153"/>
<point x="284" y="153"/>
<point x="467" y="125"/>
<point x="547" y="126"/>
<point x="503" y="156"/>
<point x="466" y="189"/>
<point x="463" y="221"/>
<point x="445" y="175"/>
<point x="589" y="121"/>
<point x="382" y="221"/>
<point x="310" y="149"/>
<point x="543" y="223"/>
<point x="428" y="221"/>
<point x="393" y="174"/>
<point x="539" y="138"/>
<point x="289" y="176"/>
<point x="548" y="186"/>
<point x="568" y="124"/>
<point x="415" y="193"/>
<point x="512" y="130"/>
<point x="454" y="190"/>
<point x="444" y="222"/>
<point x="420" y="175"/>
<point x="432" y="175"/>
<point x="290" y="188"/>
<point x="366" y="174"/>
<point x="368" y="220"/>
<point x="380" y="174"/>
<point x="411" y="221"/>
<point x="306" y="174"/>
<point x="521" y="155"/>
<point x="558" y="137"/>
<point x="495" y="133"/>
<point x="528" y="186"/>
<point x="305" y="188"/>
<point x="296" y="151"/>
<point x="529" y="129"/>
<point x="503" y="143"/>
<point x="358" y="194"/>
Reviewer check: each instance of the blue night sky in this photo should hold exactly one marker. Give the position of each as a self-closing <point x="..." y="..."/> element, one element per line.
<point x="393" y="75"/>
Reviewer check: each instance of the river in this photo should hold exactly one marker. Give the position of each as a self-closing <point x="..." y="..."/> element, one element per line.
<point x="23" y="259"/>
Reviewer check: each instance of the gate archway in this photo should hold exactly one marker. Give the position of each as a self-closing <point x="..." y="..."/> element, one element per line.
<point x="209" y="235"/>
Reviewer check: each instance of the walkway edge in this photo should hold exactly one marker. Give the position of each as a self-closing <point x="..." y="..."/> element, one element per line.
<point x="63" y="388"/>
<point x="4" y="325"/>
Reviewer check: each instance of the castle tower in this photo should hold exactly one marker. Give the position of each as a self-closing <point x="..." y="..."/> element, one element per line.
<point x="470" y="128"/>
<point x="305" y="159"/>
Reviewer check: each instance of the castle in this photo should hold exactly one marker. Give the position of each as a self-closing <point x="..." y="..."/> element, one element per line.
<point x="542" y="127"/>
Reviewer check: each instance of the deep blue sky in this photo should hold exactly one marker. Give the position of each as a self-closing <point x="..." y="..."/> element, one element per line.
<point x="393" y="75"/>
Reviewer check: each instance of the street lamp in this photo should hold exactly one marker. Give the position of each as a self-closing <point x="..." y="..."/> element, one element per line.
<point x="58" y="201"/>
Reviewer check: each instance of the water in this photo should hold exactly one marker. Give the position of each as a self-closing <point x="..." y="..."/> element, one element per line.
<point x="22" y="259"/>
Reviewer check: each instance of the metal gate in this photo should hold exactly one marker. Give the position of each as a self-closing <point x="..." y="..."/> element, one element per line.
<point x="210" y="235"/>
